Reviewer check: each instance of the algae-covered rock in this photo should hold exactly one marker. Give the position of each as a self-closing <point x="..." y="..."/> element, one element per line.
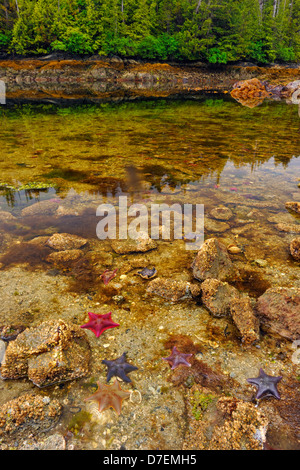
<point x="226" y="423"/>
<point x="29" y="413"/>
<point x="55" y="351"/>
<point x="213" y="261"/>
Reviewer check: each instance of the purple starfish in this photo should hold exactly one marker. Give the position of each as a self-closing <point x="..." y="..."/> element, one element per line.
<point x="118" y="368"/>
<point x="177" y="359"/>
<point x="267" y="385"/>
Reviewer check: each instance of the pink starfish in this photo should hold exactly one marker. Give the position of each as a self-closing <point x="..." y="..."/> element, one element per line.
<point x="107" y="275"/>
<point x="177" y="358"/>
<point x="99" y="323"/>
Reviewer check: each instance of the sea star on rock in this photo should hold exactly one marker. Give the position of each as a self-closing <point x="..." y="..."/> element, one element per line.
<point x="99" y="323"/>
<point x="267" y="384"/>
<point x="177" y="359"/>
<point x="107" y="275"/>
<point x="109" y="396"/>
<point x="119" y="368"/>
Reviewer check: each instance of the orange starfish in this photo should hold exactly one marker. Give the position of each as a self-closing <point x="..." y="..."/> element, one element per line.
<point x="109" y="396"/>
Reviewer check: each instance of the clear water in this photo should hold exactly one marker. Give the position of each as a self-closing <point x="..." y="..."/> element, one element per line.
<point x="209" y="151"/>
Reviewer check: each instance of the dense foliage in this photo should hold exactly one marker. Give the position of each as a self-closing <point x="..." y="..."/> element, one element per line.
<point x="217" y="31"/>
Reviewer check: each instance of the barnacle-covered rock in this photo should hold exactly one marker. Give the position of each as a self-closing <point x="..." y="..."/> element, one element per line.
<point x="55" y="351"/>
<point x="29" y="413"/>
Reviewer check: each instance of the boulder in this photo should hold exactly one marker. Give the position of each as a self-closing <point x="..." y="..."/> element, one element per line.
<point x="295" y="248"/>
<point x="250" y="93"/>
<point x="213" y="262"/>
<point x="65" y="241"/>
<point x="52" y="352"/>
<point x="245" y="319"/>
<point x="29" y="413"/>
<point x="278" y="312"/>
<point x="217" y="296"/>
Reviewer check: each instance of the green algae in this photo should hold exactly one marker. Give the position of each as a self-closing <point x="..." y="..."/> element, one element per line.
<point x="200" y="402"/>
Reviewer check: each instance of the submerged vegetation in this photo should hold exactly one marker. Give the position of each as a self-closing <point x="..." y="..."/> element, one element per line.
<point x="213" y="31"/>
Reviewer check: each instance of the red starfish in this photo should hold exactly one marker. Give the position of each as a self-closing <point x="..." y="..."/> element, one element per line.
<point x="107" y="275"/>
<point x="99" y="323"/>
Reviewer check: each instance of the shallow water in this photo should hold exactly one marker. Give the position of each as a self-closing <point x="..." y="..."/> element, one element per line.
<point x="209" y="151"/>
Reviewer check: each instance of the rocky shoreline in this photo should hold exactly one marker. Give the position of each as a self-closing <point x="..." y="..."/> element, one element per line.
<point x="101" y="77"/>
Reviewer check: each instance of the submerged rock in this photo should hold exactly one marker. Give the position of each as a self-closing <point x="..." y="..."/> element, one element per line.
<point x="29" y="413"/>
<point x="142" y="244"/>
<point x="6" y="216"/>
<point x="290" y="228"/>
<point x="41" y="208"/>
<point x="226" y="423"/>
<point x="245" y="319"/>
<point x="65" y="241"/>
<point x="293" y="206"/>
<point x="278" y="311"/>
<point x="55" y="351"/>
<point x="62" y="258"/>
<point x="215" y="225"/>
<point x="295" y="248"/>
<point x="213" y="261"/>
<point x="217" y="296"/>
<point x="173" y="290"/>
<point x="221" y="213"/>
<point x="244" y="427"/>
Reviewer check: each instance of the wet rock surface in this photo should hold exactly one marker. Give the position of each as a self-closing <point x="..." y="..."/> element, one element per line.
<point x="278" y="311"/>
<point x="53" y="352"/>
<point x="213" y="261"/>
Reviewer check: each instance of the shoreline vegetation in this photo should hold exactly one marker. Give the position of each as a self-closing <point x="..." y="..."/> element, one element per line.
<point x="178" y="31"/>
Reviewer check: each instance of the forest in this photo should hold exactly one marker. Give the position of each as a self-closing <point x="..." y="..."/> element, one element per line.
<point x="212" y="31"/>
